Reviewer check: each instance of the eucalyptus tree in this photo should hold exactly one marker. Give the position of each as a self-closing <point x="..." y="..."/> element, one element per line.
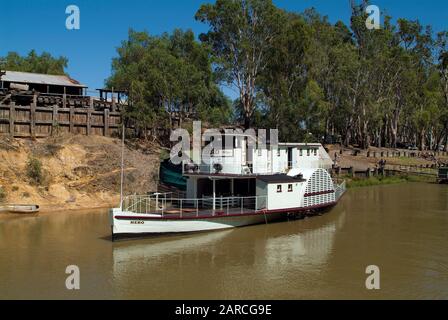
<point x="169" y="78"/>
<point x="284" y="80"/>
<point x="241" y="35"/>
<point x="33" y="62"/>
<point x="442" y="57"/>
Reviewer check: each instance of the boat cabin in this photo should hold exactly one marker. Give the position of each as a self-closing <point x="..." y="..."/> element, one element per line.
<point x="292" y="175"/>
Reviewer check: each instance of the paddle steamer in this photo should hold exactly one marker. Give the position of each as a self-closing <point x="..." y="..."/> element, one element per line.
<point x="236" y="187"/>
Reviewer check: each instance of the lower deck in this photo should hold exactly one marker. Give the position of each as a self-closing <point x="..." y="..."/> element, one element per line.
<point x="150" y="208"/>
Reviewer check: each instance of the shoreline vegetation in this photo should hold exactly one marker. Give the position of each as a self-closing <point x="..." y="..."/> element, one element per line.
<point x="377" y="181"/>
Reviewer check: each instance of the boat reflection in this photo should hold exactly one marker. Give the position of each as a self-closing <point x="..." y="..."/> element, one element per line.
<point x="260" y="248"/>
<point x="309" y="248"/>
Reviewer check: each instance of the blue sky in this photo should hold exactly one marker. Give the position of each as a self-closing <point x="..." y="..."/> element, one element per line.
<point x="40" y="25"/>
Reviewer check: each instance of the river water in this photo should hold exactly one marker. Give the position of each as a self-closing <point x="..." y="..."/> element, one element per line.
<point x="402" y="229"/>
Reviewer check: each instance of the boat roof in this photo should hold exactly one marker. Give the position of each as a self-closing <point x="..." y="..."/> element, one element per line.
<point x="279" y="178"/>
<point x="301" y="145"/>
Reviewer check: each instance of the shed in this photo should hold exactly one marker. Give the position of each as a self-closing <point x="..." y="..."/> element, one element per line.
<point x="43" y="83"/>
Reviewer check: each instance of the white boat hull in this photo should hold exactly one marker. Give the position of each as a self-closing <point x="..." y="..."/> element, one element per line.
<point x="126" y="223"/>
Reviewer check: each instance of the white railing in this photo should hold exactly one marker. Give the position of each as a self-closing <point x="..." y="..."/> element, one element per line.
<point x="340" y="189"/>
<point x="230" y="168"/>
<point x="165" y="205"/>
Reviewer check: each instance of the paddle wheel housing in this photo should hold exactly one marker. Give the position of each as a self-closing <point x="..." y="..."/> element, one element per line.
<point x="319" y="188"/>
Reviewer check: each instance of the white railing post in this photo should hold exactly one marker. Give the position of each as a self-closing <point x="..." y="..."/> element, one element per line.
<point x="181" y="213"/>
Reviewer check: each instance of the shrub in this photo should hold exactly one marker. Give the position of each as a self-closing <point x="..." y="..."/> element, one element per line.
<point x="164" y="154"/>
<point x="34" y="170"/>
<point x="52" y="149"/>
<point x="2" y="194"/>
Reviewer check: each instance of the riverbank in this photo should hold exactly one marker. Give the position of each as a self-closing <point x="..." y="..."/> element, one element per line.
<point x="70" y="172"/>
<point x="361" y="160"/>
<point x="375" y="181"/>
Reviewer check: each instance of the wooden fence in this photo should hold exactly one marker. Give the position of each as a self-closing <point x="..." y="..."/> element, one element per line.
<point x="37" y="121"/>
<point x="392" y="153"/>
<point x="429" y="170"/>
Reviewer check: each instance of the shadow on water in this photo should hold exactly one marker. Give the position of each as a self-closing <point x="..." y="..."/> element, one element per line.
<point x="216" y="264"/>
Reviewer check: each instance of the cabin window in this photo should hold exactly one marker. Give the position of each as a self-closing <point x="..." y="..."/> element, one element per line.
<point x="315" y="152"/>
<point x="308" y="152"/>
<point x="279" y="188"/>
<point x="278" y="152"/>
<point x="301" y="152"/>
<point x="290" y="189"/>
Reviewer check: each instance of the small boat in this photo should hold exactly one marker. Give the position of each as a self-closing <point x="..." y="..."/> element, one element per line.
<point x="22" y="208"/>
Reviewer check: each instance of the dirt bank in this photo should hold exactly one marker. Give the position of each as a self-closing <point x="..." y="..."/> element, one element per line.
<point x="77" y="172"/>
<point x="362" y="162"/>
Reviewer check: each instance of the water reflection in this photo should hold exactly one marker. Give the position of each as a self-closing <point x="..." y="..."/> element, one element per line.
<point x="309" y="248"/>
<point x="143" y="253"/>
<point x="233" y="260"/>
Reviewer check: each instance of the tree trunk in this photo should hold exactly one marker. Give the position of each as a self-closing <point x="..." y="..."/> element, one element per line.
<point x="247" y="107"/>
<point x="446" y="141"/>
<point x="422" y="139"/>
<point x="394" y="128"/>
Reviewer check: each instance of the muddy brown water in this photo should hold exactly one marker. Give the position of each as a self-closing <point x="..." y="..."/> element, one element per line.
<point x="402" y="229"/>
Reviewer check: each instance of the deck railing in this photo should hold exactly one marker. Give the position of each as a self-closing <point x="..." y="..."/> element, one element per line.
<point x="166" y="205"/>
<point x="340" y="189"/>
<point x="230" y="168"/>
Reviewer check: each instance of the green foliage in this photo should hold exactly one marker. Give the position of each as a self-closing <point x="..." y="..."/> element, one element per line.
<point x="164" y="154"/>
<point x="241" y="35"/>
<point x="373" y="181"/>
<point x="33" y="62"/>
<point x="167" y="76"/>
<point x="300" y="73"/>
<point x="34" y="170"/>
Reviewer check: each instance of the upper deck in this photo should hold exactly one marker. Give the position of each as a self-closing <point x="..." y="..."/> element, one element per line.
<point x="244" y="161"/>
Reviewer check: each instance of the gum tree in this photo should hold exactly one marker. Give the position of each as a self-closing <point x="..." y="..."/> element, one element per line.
<point x="241" y="34"/>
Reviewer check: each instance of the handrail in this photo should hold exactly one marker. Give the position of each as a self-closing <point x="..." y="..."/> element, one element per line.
<point x="163" y="204"/>
<point x="340" y="189"/>
<point x="232" y="168"/>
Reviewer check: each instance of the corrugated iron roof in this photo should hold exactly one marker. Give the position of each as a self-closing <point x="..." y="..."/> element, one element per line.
<point x="27" y="77"/>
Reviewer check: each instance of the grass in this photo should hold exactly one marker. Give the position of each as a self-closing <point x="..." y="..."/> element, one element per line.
<point x="407" y="161"/>
<point x="374" y="181"/>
